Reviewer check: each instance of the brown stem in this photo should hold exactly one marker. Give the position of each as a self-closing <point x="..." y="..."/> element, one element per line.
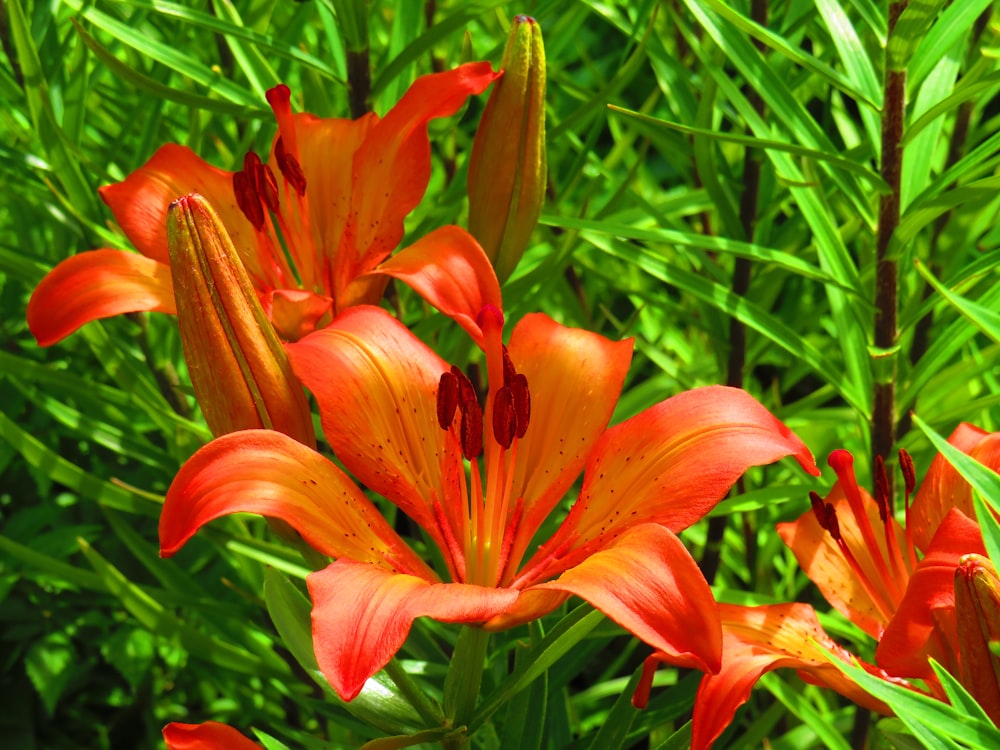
<point x="359" y="82"/>
<point x="886" y="270"/>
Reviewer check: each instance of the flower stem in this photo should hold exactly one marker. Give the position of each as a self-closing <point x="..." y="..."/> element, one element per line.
<point x="422" y="703"/>
<point x="886" y="270"/>
<point x="461" y="686"/>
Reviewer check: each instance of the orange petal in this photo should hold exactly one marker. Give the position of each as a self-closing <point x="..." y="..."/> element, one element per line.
<point x="296" y="312"/>
<point x="826" y="566"/>
<point x="574" y="380"/>
<point x="376" y="385"/>
<point x="208" y="736"/>
<point x="670" y="465"/>
<point x="327" y="147"/>
<point x="393" y="166"/>
<point x="268" y="473"/>
<point x="362" y="615"/>
<point x="648" y="583"/>
<point x="924" y="625"/>
<point x="140" y="201"/>
<point x="449" y="269"/>
<point x="97" y="284"/>
<point x="757" y="640"/>
<point x="943" y="488"/>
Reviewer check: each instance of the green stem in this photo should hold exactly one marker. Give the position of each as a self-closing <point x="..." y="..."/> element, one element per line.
<point x="461" y="686"/>
<point x="422" y="703"/>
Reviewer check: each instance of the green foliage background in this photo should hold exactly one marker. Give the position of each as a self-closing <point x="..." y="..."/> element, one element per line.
<point x="659" y="115"/>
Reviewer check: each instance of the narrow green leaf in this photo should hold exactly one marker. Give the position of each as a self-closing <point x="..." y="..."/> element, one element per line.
<point x="956" y="20"/>
<point x="60" y="470"/>
<point x="912" y="25"/>
<point x="614" y="731"/>
<point x="861" y="170"/>
<point x="158" y="620"/>
<point x="983" y="318"/>
<point x="59" y="152"/>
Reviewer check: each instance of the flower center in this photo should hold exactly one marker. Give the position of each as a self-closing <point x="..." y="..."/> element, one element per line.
<point x="886" y="577"/>
<point x="496" y="428"/>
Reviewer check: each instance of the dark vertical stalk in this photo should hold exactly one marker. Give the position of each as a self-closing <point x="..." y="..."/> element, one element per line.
<point x="359" y="82"/>
<point x="737" y="331"/>
<point x="886" y="270"/>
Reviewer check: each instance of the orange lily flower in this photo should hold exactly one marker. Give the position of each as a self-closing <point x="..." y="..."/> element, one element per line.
<point x="896" y="583"/>
<point x="333" y="194"/>
<point x="481" y="478"/>
<point x="211" y="735"/>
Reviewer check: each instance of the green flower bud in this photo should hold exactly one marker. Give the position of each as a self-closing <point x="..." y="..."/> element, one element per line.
<point x="507" y="169"/>
<point x="240" y="373"/>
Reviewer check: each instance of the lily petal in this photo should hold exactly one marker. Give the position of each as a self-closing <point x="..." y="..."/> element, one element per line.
<point x="943" y="487"/>
<point x="393" y="165"/>
<point x="376" y="385"/>
<point x="98" y="284"/>
<point x="208" y="736"/>
<point x="449" y="269"/>
<point x="140" y="201"/>
<point x="574" y="379"/>
<point x="327" y="147"/>
<point x="929" y="603"/>
<point x="670" y="465"/>
<point x="362" y="615"/>
<point x="648" y="583"/>
<point x="268" y="473"/>
<point x="757" y="640"/>
<point x="818" y="555"/>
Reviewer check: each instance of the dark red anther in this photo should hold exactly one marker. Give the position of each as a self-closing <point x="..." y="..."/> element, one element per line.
<point x="504" y="420"/>
<point x="248" y="200"/>
<point x="290" y="168"/>
<point x="522" y="402"/>
<point x="818" y="508"/>
<point x="472" y="429"/>
<point x="508" y="367"/>
<point x="832" y="524"/>
<point x="882" y="499"/>
<point x="447" y="399"/>
<point x="909" y="475"/>
<point x="267" y="186"/>
<point x="466" y="391"/>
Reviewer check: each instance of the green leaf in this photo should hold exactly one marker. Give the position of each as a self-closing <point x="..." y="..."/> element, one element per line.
<point x="955" y="21"/>
<point x="155" y="617"/>
<point x="614" y="731"/>
<point x="572" y="629"/>
<point x="51" y="663"/>
<point x="934" y="721"/>
<point x="59" y="151"/>
<point x="909" y="31"/>
<point x="983" y="318"/>
<point x="131" y="651"/>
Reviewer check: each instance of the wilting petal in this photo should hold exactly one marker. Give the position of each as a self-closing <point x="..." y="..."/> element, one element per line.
<point x="943" y="488"/>
<point x="376" y="385"/>
<point x="648" y="583"/>
<point x="140" y="201"/>
<point x="362" y="615"/>
<point x="392" y="167"/>
<point x="670" y="465"/>
<point x="268" y="473"/>
<point x="821" y="559"/>
<point x="97" y="284"/>
<point x="208" y="736"/>
<point x="449" y="269"/>
<point x="757" y="640"/>
<point x="574" y="380"/>
<point x="929" y="604"/>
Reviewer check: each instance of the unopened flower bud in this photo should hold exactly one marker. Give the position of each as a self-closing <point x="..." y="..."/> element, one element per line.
<point x="507" y="169"/>
<point x="977" y="612"/>
<point x="239" y="370"/>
